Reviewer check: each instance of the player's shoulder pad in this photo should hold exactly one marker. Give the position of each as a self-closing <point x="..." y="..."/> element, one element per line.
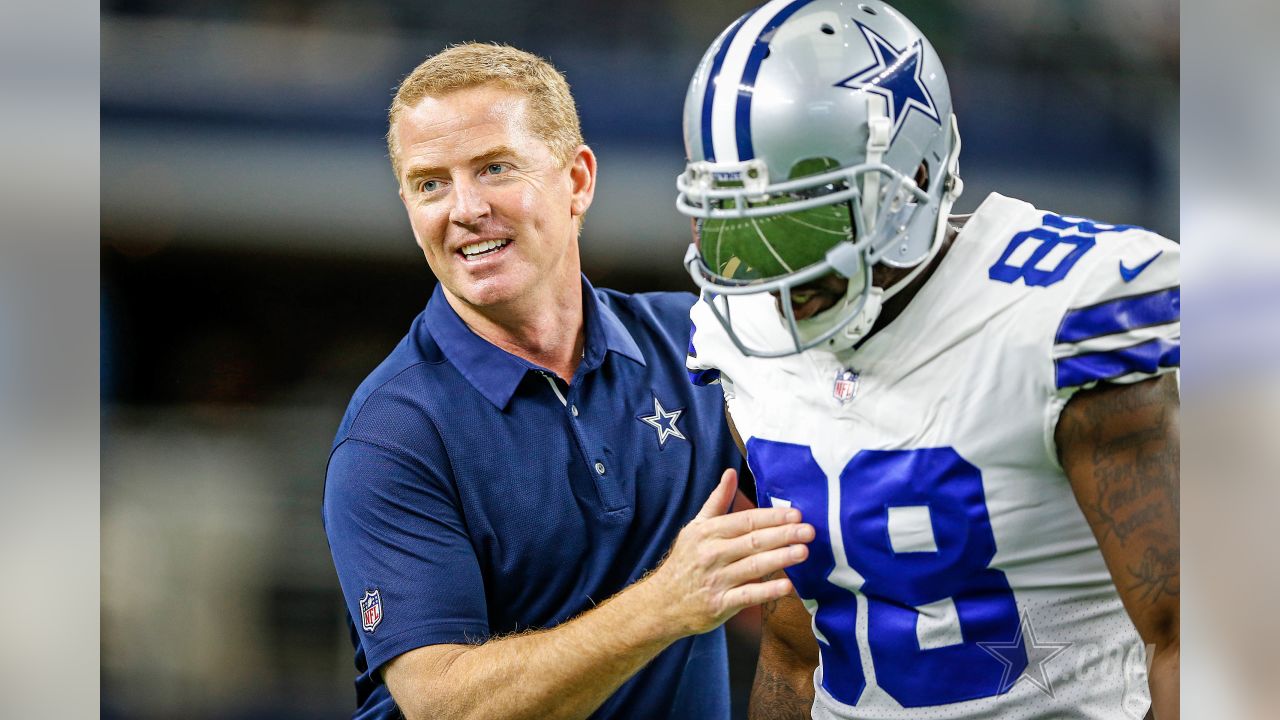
<point x="709" y="345"/>
<point x="1120" y="318"/>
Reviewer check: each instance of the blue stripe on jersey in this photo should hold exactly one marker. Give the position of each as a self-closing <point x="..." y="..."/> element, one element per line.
<point x="1144" y="357"/>
<point x="746" y="88"/>
<point x="700" y="377"/>
<point x="704" y="377"/>
<point x="713" y="77"/>
<point x="1120" y="315"/>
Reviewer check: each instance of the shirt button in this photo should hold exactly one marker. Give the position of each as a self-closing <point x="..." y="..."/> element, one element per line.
<point x="574" y="409"/>
<point x="600" y="468"/>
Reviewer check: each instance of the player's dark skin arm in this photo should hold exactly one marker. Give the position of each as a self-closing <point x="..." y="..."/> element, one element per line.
<point x="783" y="687"/>
<point x="1119" y="447"/>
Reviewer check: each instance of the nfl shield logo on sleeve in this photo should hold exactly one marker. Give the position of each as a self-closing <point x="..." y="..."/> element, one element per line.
<point x="371" y="609"/>
<point x="846" y="386"/>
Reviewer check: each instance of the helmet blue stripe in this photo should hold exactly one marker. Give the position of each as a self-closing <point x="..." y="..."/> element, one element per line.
<point x="746" y="88"/>
<point x="708" y="148"/>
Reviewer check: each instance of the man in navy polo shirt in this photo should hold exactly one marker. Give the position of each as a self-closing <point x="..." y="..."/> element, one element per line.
<point x="504" y="487"/>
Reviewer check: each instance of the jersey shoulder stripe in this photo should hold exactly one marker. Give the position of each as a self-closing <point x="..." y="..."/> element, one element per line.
<point x="1118" y="315"/>
<point x="699" y="374"/>
<point x="1147" y="358"/>
<point x="1122" y="314"/>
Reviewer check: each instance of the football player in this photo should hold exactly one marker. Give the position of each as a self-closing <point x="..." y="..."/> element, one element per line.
<point x="978" y="414"/>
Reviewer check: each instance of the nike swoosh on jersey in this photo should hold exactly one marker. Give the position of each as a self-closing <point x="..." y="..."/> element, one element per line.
<point x="1129" y="274"/>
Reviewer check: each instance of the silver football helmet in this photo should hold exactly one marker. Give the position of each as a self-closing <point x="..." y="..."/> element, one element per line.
<point x="820" y="139"/>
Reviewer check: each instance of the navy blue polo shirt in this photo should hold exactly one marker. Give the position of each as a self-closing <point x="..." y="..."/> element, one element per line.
<point x="471" y="493"/>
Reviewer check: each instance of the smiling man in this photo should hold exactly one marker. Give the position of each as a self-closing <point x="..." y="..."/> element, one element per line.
<point x="503" y="488"/>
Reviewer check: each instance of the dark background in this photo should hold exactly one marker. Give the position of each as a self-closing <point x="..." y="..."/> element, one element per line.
<point x="256" y="264"/>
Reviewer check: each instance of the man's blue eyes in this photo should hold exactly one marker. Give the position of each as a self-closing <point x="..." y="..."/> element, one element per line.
<point x="429" y="186"/>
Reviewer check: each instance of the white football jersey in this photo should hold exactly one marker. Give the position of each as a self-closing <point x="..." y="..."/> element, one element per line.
<point x="954" y="575"/>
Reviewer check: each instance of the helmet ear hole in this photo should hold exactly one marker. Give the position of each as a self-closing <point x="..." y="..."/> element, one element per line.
<point x="922" y="177"/>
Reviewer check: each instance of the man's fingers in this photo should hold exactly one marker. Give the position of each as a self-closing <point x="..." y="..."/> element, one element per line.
<point x="757" y="566"/>
<point x="720" y="500"/>
<point x="746" y="521"/>
<point x="756" y="593"/>
<point x="766" y="538"/>
<point x="733" y="550"/>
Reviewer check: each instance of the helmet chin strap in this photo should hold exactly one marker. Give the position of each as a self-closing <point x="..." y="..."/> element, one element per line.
<point x="876" y="297"/>
<point x="879" y="133"/>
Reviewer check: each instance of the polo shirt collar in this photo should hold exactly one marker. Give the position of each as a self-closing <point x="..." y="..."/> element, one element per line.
<point x="496" y="373"/>
<point x="604" y="331"/>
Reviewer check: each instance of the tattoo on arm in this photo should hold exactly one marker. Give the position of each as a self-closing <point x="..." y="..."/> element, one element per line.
<point x="1119" y="446"/>
<point x="783" y="688"/>
<point x="1156" y="574"/>
<point x="773" y="698"/>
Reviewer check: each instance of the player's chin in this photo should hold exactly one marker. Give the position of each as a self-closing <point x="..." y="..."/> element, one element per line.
<point x="814" y="306"/>
<point x="815" y="297"/>
<point x="808" y="303"/>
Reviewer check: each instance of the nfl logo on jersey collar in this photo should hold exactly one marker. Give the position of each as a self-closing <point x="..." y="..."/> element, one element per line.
<point x="371" y="610"/>
<point x="846" y="386"/>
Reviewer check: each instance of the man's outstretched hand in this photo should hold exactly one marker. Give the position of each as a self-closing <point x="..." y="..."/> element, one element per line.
<point x="715" y="566"/>
<point x="712" y="571"/>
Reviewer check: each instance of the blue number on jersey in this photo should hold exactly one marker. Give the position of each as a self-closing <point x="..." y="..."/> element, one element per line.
<point x="792" y="467"/>
<point x="896" y="583"/>
<point x="1050" y="235"/>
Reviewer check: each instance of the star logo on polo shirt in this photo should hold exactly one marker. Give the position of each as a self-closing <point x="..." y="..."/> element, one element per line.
<point x="664" y="422"/>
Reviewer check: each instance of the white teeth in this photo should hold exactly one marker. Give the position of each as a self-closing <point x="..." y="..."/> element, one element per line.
<point x="482" y="247"/>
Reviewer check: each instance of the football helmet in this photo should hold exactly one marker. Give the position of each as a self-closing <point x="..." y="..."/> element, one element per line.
<point x="820" y="139"/>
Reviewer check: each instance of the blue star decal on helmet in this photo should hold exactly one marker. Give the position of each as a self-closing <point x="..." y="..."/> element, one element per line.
<point x="897" y="76"/>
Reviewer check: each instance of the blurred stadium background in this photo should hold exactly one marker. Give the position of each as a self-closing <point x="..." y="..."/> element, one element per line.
<point x="256" y="263"/>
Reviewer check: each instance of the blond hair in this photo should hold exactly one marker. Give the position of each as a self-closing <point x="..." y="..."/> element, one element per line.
<point x="553" y="117"/>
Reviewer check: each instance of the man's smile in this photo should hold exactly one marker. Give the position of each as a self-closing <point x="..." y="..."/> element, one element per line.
<point x="483" y="248"/>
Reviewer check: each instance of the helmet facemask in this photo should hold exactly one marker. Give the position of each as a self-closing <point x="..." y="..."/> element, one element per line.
<point x="752" y="238"/>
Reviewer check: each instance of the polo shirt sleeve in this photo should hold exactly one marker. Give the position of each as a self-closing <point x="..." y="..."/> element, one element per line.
<point x="409" y="575"/>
